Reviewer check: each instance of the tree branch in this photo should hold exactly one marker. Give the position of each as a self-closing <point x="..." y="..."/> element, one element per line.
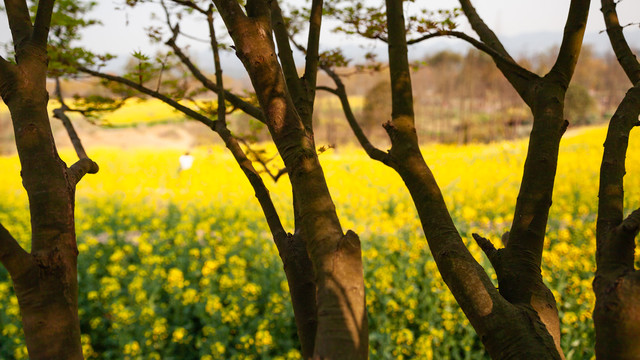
<point x="7" y="76"/>
<point x="42" y="22"/>
<point x="82" y="167"/>
<point x="341" y="93"/>
<point x="625" y="56"/>
<point x="235" y="100"/>
<point x="615" y="247"/>
<point x="190" y="4"/>
<point x="230" y="10"/>
<point x="258" y="8"/>
<point x="19" y="21"/>
<point x="176" y="105"/>
<point x="12" y="255"/>
<point x="490" y="250"/>
<point x="565" y="64"/>
<point x="60" y="114"/>
<point x="222" y="107"/>
<point x="401" y="92"/>
<point x="285" y="54"/>
<point x="505" y="63"/>
<point x="313" y="46"/>
<point x="486" y="34"/>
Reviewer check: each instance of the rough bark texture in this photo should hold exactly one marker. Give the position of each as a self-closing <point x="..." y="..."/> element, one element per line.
<point x="297" y="265"/>
<point x="617" y="283"/>
<point x="336" y="257"/>
<point x="521" y="320"/>
<point x="45" y="280"/>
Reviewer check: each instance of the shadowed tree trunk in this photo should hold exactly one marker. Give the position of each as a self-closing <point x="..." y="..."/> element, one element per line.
<point x="520" y="321"/>
<point x="617" y="283"/>
<point x="45" y="280"/>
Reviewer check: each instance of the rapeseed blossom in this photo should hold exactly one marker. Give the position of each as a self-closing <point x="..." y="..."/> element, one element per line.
<point x="183" y="265"/>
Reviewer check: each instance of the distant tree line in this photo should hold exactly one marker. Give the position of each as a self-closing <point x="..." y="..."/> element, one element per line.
<point x="463" y="98"/>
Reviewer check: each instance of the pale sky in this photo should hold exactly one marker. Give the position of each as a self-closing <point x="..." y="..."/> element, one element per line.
<point x="123" y="31"/>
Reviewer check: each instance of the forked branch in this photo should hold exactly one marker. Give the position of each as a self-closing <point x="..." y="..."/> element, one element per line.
<point x="562" y="70"/>
<point x="42" y="22"/>
<point x="19" y="21"/>
<point x="235" y="100"/>
<point x="340" y="91"/>
<point x="615" y="237"/>
<point x="486" y="34"/>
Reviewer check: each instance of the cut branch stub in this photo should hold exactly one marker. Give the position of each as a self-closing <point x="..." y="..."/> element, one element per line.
<point x="81" y="168"/>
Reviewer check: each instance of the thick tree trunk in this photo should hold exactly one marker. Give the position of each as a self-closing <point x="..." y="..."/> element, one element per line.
<point x="342" y="330"/>
<point x="46" y="286"/>
<point x="617" y="283"/>
<point x="521" y="320"/>
<point x="45" y="280"/>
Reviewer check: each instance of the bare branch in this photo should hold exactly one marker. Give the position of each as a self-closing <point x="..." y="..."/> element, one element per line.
<point x="499" y="58"/>
<point x="401" y="92"/>
<point x="6" y="78"/>
<point x="489" y="249"/>
<point x="190" y="4"/>
<point x="285" y="54"/>
<point x="167" y="100"/>
<point x="19" y="21"/>
<point x="222" y="115"/>
<point x="615" y="247"/>
<point x="264" y="163"/>
<point x="341" y="93"/>
<point x="60" y="114"/>
<point x="562" y="70"/>
<point x="235" y="100"/>
<point x="42" y="22"/>
<point x="313" y="46"/>
<point x="486" y="34"/>
<point x="625" y="56"/>
<point x="12" y="255"/>
<point x="82" y="167"/>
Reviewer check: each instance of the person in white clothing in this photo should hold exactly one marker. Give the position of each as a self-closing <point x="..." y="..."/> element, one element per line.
<point x="186" y="161"/>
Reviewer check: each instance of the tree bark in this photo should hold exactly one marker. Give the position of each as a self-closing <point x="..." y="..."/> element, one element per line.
<point x="45" y="280"/>
<point x="616" y="315"/>
<point x="336" y="256"/>
<point x="617" y="283"/>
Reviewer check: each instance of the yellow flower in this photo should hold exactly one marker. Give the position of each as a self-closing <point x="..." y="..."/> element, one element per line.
<point x="179" y="334"/>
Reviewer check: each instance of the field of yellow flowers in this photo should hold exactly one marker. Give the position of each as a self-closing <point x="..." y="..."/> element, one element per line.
<point x="180" y="265"/>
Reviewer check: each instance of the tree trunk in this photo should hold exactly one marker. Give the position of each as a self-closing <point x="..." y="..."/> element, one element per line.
<point x="342" y="330"/>
<point x="45" y="280"/>
<point x="617" y="283"/>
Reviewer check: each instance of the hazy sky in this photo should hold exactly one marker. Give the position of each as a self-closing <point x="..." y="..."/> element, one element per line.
<point x="123" y="31"/>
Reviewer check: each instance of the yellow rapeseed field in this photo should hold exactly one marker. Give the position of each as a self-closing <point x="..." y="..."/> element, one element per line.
<point x="181" y="265"/>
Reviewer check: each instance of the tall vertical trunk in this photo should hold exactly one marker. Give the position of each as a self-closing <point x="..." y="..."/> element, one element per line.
<point x="616" y="315"/>
<point x="342" y="330"/>
<point x="45" y="280"/>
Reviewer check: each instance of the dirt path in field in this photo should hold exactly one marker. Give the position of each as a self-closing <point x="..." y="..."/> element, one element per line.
<point x="181" y="135"/>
